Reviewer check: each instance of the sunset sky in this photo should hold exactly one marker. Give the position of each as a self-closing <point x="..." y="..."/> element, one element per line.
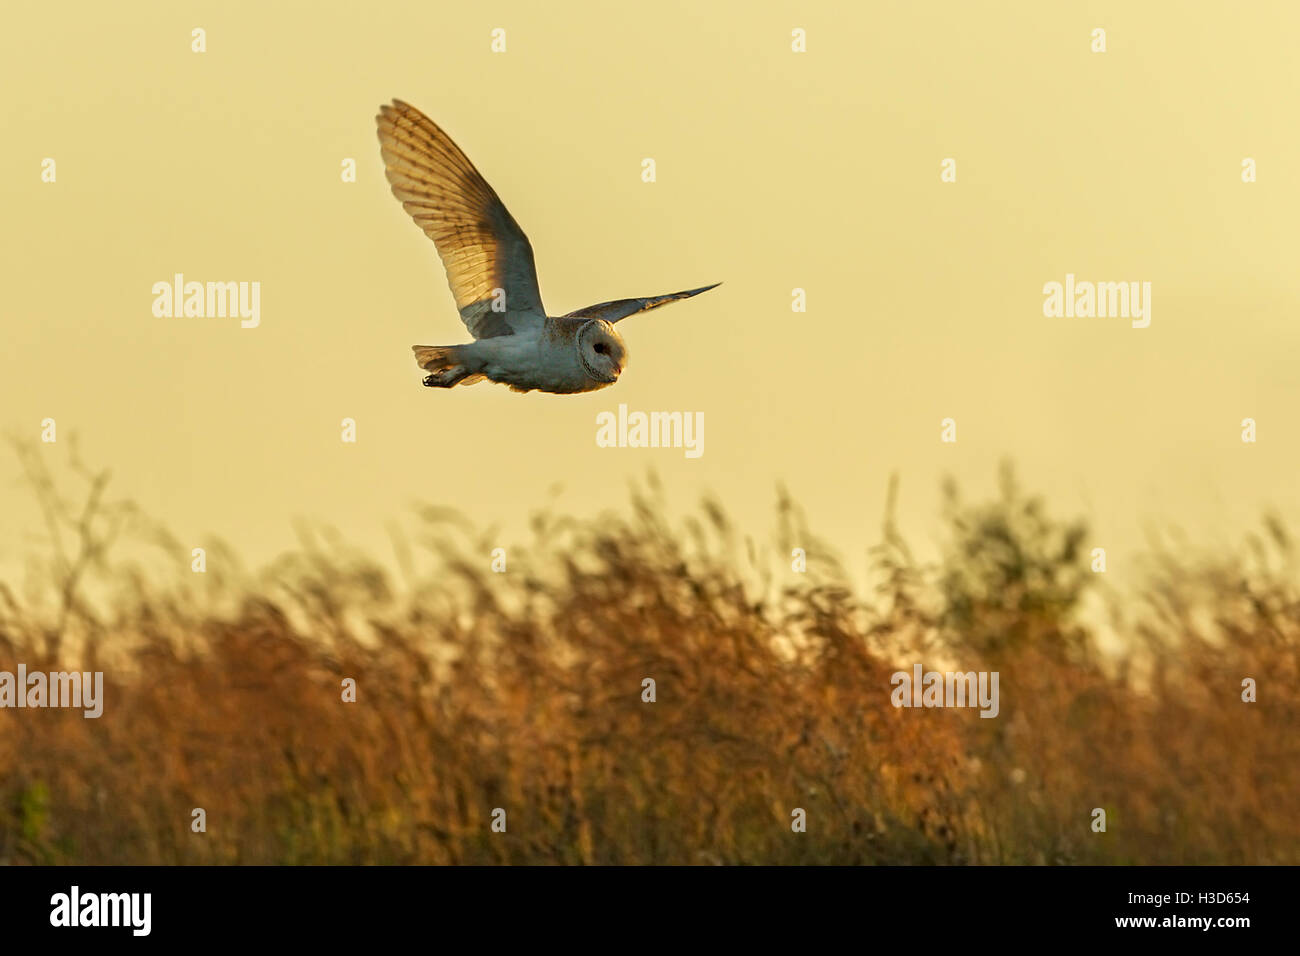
<point x="776" y="170"/>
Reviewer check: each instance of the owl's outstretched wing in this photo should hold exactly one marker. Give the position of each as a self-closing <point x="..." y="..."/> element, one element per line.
<point x="622" y="308"/>
<point x="487" y="256"/>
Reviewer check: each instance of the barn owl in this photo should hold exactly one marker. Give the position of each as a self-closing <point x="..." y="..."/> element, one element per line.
<point x="489" y="264"/>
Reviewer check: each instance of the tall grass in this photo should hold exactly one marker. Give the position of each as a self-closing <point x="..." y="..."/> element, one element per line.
<point x="523" y="691"/>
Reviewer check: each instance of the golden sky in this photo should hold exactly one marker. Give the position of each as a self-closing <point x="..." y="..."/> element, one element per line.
<point x="775" y="170"/>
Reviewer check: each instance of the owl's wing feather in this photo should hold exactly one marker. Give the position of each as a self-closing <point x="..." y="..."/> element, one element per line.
<point x="622" y="308"/>
<point x="481" y="246"/>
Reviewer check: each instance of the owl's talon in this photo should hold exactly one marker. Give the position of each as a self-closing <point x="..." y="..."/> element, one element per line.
<point x="445" y="377"/>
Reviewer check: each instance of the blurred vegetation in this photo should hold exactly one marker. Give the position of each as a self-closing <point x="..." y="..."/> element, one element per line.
<point x="523" y="690"/>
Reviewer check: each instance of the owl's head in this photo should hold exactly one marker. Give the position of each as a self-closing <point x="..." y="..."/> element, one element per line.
<point x="601" y="350"/>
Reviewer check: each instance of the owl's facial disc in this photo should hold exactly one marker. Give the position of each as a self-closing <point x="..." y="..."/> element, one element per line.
<point x="601" y="351"/>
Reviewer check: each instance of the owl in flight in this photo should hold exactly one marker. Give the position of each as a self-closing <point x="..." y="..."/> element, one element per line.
<point x="490" y="268"/>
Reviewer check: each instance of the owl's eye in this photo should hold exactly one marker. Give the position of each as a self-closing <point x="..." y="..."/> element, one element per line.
<point x="600" y="348"/>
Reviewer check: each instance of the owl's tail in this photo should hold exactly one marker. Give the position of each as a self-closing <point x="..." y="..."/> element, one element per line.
<point x="447" y="365"/>
<point x="435" y="358"/>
